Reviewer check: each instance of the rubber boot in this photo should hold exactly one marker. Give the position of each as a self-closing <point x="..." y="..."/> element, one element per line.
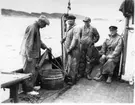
<point x="98" y="76"/>
<point x="89" y="77"/>
<point x="109" y="79"/>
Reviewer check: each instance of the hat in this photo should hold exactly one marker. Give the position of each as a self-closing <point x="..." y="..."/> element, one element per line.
<point x="113" y="28"/>
<point x="44" y="18"/>
<point x="87" y="19"/>
<point x="72" y="17"/>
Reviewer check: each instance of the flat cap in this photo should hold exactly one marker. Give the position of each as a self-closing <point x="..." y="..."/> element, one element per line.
<point x="72" y="17"/>
<point x="87" y="19"/>
<point x="113" y="28"/>
<point x="45" y="19"/>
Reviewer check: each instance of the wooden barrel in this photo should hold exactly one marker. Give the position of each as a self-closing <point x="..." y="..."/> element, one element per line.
<point x="51" y="79"/>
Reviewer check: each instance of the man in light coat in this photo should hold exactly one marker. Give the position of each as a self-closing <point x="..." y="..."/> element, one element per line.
<point x="111" y="51"/>
<point x="30" y="50"/>
<point x="72" y="49"/>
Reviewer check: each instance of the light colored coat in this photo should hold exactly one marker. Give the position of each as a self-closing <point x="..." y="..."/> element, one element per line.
<point x="72" y="37"/>
<point x="72" y="42"/>
<point x="113" y="46"/>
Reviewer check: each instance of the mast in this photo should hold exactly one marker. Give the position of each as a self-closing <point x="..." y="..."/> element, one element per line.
<point x="63" y="30"/>
<point x="69" y="6"/>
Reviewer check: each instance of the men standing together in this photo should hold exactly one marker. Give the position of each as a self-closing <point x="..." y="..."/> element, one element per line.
<point x="77" y="41"/>
<point x="78" y="51"/>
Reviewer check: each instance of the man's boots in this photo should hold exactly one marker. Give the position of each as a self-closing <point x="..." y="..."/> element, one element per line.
<point x="89" y="77"/>
<point x="109" y="79"/>
<point x="98" y="77"/>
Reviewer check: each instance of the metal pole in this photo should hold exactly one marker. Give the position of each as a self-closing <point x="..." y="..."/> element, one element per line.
<point x="63" y="22"/>
<point x="62" y="33"/>
<point x="125" y="44"/>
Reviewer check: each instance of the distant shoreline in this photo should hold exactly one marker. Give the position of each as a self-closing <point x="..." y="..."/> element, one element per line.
<point x="10" y="12"/>
<point x="22" y="14"/>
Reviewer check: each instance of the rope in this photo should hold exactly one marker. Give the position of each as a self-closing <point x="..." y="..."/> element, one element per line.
<point x="60" y="67"/>
<point x="56" y="61"/>
<point x="55" y="65"/>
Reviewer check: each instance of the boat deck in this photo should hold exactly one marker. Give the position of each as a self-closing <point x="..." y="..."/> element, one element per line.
<point x="89" y="91"/>
<point x="85" y="91"/>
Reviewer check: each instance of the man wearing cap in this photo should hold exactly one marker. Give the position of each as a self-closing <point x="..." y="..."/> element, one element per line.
<point x="110" y="51"/>
<point x="30" y="50"/>
<point x="89" y="36"/>
<point x="72" y="49"/>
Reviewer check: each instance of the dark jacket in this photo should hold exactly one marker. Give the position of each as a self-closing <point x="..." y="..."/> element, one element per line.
<point x="89" y="35"/>
<point x="32" y="42"/>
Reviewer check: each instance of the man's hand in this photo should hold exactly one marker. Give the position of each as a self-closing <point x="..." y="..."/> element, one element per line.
<point x="68" y="51"/>
<point x="29" y="59"/>
<point x="109" y="57"/>
<point x="43" y="46"/>
<point x="37" y="66"/>
<point x="102" y="59"/>
<point x="62" y="41"/>
<point x="103" y="56"/>
<point x="50" y="49"/>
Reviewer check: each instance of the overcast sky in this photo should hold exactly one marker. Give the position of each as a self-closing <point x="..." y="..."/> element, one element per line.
<point x="91" y="8"/>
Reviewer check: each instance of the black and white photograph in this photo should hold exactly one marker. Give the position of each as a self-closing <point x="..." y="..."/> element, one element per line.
<point x="67" y="51"/>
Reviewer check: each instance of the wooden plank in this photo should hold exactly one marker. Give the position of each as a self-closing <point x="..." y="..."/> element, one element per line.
<point x="10" y="100"/>
<point x="11" y="81"/>
<point x="12" y="78"/>
<point x="14" y="92"/>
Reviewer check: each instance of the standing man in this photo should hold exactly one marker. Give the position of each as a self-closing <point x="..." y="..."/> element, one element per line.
<point x="72" y="49"/>
<point x="90" y="36"/>
<point x="110" y="51"/>
<point x="30" y="50"/>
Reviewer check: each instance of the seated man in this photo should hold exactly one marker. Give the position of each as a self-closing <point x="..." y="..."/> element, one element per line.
<point x="110" y="51"/>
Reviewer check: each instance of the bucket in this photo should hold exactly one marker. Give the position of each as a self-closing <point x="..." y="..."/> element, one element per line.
<point x="51" y="79"/>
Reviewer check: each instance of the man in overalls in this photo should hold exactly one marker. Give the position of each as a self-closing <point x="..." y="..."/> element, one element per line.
<point x="72" y="49"/>
<point x="89" y="36"/>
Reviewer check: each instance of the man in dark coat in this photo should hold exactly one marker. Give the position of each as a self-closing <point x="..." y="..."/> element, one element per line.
<point x="110" y="51"/>
<point x="30" y="50"/>
<point x="89" y="36"/>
